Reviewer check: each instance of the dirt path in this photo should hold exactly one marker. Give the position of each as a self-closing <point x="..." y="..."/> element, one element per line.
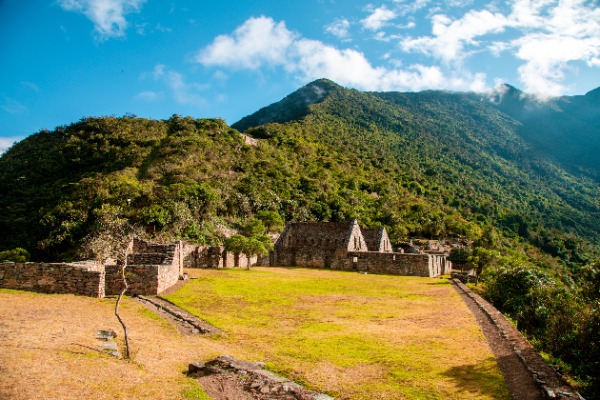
<point x="527" y="375"/>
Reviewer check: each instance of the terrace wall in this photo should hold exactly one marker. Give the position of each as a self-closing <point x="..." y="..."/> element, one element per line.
<point x="84" y="278"/>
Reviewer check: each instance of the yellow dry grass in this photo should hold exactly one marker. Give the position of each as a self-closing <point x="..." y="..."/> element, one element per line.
<point x="48" y="351"/>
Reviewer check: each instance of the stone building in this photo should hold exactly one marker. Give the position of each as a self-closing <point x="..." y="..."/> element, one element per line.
<point x="317" y="244"/>
<point x="346" y="246"/>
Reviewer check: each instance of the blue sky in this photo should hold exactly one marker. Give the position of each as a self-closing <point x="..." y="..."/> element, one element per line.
<point x="67" y="59"/>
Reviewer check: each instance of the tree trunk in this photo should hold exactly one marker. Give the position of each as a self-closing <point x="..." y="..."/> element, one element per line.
<point x="125" y="287"/>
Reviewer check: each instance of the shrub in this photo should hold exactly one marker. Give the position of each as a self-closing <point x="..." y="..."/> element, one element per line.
<point x="15" y="255"/>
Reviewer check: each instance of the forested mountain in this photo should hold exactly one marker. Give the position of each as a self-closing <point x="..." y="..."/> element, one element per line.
<point x="462" y="151"/>
<point x="516" y="176"/>
<point x="430" y="164"/>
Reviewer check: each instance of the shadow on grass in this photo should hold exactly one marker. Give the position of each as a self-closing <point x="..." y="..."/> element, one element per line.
<point x="483" y="378"/>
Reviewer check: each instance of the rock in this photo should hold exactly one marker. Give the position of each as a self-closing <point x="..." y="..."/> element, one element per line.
<point x="195" y="367"/>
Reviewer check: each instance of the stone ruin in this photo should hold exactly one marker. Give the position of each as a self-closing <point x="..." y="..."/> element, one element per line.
<point x="151" y="269"/>
<point x="347" y="246"/>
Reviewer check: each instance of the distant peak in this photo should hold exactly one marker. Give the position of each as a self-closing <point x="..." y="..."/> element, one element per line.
<point x="293" y="107"/>
<point x="505" y="92"/>
<point x="593" y="94"/>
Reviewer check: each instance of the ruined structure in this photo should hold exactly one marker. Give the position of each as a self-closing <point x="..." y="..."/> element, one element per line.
<point x="345" y="246"/>
<point x="151" y="269"/>
<point x="317" y="245"/>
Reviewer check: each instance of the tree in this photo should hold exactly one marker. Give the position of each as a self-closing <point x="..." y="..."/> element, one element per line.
<point x="112" y="238"/>
<point x="235" y="244"/>
<point x="253" y="227"/>
<point x="481" y="258"/>
<point x="17" y="255"/>
<point x="460" y="256"/>
<point x="254" y="246"/>
<point x="271" y="219"/>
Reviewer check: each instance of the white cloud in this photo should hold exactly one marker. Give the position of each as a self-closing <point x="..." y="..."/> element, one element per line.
<point x="257" y="42"/>
<point x="378" y="18"/>
<point x="339" y="28"/>
<point x="549" y="37"/>
<point x="108" y="16"/>
<point x="307" y="59"/>
<point x="405" y="7"/>
<point x="556" y="36"/>
<point x="182" y="92"/>
<point x="451" y="37"/>
<point x="7" y="141"/>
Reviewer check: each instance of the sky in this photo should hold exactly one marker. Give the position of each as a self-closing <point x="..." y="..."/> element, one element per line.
<point x="63" y="60"/>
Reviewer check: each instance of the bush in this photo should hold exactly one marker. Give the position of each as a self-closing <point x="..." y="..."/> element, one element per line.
<point x="15" y="255"/>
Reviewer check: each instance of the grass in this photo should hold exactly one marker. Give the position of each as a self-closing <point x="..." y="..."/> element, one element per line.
<point x="48" y="350"/>
<point x="353" y="336"/>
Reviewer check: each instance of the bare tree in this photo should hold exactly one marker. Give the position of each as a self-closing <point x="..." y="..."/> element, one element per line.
<point x="113" y="238"/>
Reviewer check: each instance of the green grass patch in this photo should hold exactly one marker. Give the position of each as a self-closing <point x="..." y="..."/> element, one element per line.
<point x="351" y="335"/>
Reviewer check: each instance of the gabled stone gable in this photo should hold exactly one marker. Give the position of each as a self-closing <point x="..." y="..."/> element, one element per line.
<point x="317" y="244"/>
<point x="377" y="239"/>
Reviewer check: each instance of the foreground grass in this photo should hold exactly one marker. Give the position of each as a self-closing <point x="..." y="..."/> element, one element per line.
<point x="351" y="335"/>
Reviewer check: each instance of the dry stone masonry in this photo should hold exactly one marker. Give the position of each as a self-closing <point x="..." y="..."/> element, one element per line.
<point x="151" y="270"/>
<point x="346" y="246"/>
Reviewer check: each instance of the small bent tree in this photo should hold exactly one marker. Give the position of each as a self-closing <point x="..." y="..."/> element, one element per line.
<point x="112" y="237"/>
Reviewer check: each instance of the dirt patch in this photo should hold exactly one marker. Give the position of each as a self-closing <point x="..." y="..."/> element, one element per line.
<point x="227" y="378"/>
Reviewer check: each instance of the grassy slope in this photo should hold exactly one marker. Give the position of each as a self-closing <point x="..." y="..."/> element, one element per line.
<point x="354" y="336"/>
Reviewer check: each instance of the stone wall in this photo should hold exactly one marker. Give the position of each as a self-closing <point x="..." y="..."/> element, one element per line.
<point x="195" y="256"/>
<point x="85" y="278"/>
<point x="427" y="265"/>
<point x="151" y="269"/>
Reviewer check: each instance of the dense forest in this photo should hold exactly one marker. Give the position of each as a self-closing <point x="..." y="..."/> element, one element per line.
<point x="429" y="164"/>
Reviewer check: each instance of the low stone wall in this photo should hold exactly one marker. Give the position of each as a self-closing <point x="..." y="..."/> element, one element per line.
<point x="85" y="278"/>
<point x="426" y="265"/>
<point x="142" y="279"/>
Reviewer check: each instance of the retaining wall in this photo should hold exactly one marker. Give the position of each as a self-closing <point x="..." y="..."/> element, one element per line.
<point x="85" y="278"/>
<point x="427" y="265"/>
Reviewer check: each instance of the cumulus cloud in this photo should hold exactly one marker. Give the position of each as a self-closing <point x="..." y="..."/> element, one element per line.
<point x="451" y="37"/>
<point x="257" y="42"/>
<point x="108" y="16"/>
<point x="378" y="18"/>
<point x="547" y="36"/>
<point x="559" y="35"/>
<point x="339" y="28"/>
<point x="308" y="59"/>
